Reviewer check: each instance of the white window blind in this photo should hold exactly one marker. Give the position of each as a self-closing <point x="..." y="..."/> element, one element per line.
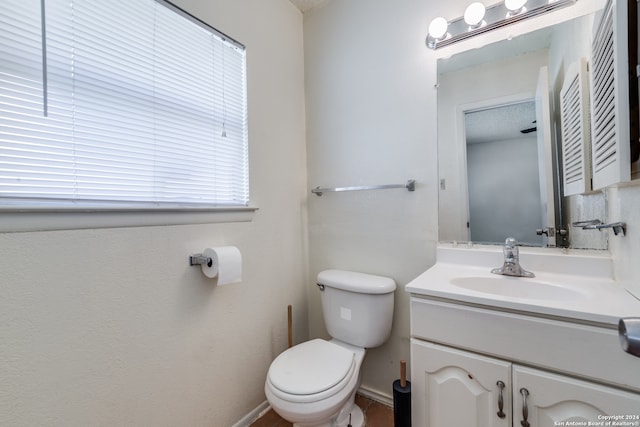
<point x="128" y="103"/>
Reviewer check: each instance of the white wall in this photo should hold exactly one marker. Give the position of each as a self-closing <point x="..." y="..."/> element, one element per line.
<point x="370" y="97"/>
<point x="112" y="327"/>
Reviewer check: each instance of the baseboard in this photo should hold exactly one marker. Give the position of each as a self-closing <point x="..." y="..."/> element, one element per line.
<point x="385" y="399"/>
<point x="253" y="415"/>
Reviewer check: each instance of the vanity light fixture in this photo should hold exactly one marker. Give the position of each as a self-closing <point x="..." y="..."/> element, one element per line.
<point x="515" y="6"/>
<point x="437" y="30"/>
<point x="474" y="15"/>
<point x="478" y="20"/>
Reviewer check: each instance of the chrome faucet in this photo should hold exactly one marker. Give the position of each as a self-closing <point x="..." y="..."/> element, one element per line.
<point x="511" y="266"/>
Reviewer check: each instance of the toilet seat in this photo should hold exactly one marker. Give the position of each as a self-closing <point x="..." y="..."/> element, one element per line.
<point x="311" y="371"/>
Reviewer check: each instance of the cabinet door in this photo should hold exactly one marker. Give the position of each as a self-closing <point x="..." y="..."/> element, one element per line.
<point x="554" y="400"/>
<point x="456" y="388"/>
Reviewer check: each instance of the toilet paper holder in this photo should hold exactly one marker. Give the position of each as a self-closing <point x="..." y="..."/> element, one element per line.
<point x="200" y="259"/>
<point x="629" y="333"/>
<point x="221" y="262"/>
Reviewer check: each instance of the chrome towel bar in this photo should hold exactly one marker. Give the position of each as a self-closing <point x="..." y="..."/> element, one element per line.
<point x="410" y="186"/>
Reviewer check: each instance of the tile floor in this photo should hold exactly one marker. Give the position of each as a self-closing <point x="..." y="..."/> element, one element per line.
<point x="376" y="414"/>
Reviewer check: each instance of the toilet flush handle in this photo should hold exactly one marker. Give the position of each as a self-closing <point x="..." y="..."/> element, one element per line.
<point x="320" y="286"/>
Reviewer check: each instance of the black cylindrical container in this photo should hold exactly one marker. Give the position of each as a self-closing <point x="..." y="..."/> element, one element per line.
<point x="402" y="398"/>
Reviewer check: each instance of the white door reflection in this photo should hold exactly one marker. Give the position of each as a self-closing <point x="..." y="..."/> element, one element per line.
<point x="503" y="174"/>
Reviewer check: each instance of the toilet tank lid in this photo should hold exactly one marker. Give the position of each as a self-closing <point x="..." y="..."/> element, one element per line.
<point x="356" y="282"/>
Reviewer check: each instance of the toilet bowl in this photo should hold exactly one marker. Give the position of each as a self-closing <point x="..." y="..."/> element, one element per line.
<point x="313" y="384"/>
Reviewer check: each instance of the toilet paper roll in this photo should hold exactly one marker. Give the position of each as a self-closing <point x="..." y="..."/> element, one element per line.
<point x="226" y="265"/>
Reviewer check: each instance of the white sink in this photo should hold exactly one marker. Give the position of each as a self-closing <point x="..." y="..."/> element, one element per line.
<point x="567" y="284"/>
<point x="516" y="287"/>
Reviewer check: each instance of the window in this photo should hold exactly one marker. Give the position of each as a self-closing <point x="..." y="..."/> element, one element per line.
<point x="119" y="104"/>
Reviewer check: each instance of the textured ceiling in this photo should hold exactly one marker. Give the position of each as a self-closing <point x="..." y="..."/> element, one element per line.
<point x="305" y="5"/>
<point x="500" y="123"/>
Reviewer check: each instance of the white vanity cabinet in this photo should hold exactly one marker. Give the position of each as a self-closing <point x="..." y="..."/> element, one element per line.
<point x="456" y="388"/>
<point x="452" y="387"/>
<point x="474" y="366"/>
<point x="554" y="400"/>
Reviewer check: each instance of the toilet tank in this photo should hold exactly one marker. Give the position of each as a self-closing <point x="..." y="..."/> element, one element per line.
<point x="357" y="307"/>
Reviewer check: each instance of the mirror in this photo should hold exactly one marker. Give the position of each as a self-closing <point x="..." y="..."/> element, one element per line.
<point x="498" y="123"/>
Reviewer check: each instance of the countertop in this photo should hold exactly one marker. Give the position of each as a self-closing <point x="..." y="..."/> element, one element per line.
<point x="589" y="293"/>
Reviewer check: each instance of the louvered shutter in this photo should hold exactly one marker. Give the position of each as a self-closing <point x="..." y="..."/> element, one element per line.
<point x="610" y="98"/>
<point x="576" y="132"/>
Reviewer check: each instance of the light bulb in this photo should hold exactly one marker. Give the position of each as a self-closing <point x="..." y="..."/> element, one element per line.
<point x="474" y="14"/>
<point x="438" y="27"/>
<point x="514" y="5"/>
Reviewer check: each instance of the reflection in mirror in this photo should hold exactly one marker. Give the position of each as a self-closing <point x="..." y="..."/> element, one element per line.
<point x="508" y="73"/>
<point x="502" y="174"/>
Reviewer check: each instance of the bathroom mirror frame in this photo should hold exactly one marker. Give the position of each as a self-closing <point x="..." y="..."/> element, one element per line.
<point x="580" y="9"/>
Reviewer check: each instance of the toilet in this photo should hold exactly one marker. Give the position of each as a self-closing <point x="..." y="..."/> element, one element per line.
<point x="313" y="384"/>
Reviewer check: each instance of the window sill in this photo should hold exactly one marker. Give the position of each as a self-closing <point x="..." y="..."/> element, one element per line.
<point x="19" y="219"/>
